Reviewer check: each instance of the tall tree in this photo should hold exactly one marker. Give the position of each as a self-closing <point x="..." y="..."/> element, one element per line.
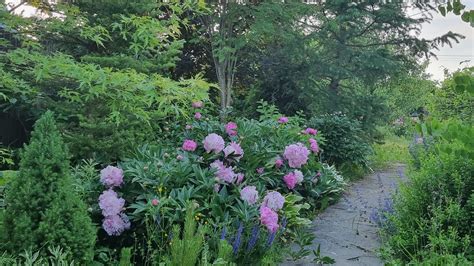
<point x="334" y="46"/>
<point x="225" y="24"/>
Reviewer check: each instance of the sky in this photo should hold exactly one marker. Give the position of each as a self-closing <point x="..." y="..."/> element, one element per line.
<point x="448" y="58"/>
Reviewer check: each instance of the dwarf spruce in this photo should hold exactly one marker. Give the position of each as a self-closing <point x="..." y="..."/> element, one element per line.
<point x="42" y="208"/>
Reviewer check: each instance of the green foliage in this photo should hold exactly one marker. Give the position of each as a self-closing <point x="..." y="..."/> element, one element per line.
<point x="104" y="69"/>
<point x="55" y="256"/>
<point x="406" y="94"/>
<point x="336" y="63"/>
<point x="392" y="150"/>
<point x="455" y="98"/>
<point x="303" y="238"/>
<point x="292" y="209"/>
<point x="125" y="257"/>
<point x="186" y="246"/>
<point x="344" y="140"/>
<point x="42" y="207"/>
<point x="319" y="259"/>
<point x="103" y="113"/>
<point x="224" y="251"/>
<point x="434" y="211"/>
<point x="6" y="158"/>
<point x="458" y="9"/>
<point x="5" y="177"/>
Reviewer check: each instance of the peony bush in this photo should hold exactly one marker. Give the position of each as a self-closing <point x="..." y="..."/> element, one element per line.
<point x="252" y="183"/>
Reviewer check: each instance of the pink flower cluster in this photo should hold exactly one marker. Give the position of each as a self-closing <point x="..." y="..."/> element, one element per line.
<point x="115" y="222"/>
<point x="213" y="143"/>
<point x="197" y="104"/>
<point x="111" y="176"/>
<point x="314" y="145"/>
<point x="273" y="200"/>
<point x="283" y="120"/>
<point x="115" y="225"/>
<point x="189" y="145"/>
<point x="198" y="115"/>
<point x="269" y="218"/>
<point x="235" y="150"/>
<point x="223" y="173"/>
<point x="110" y="203"/>
<point x="290" y="180"/>
<point x="278" y="162"/>
<point x="239" y="178"/>
<point x="310" y="131"/>
<point x="231" y="129"/>
<point x="293" y="178"/>
<point x="296" y="154"/>
<point x="249" y="194"/>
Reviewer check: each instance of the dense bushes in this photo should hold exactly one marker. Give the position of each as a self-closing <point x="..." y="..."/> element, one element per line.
<point x="103" y="113"/>
<point x="42" y="208"/>
<point x="455" y="98"/>
<point x="345" y="142"/>
<point x="434" y="210"/>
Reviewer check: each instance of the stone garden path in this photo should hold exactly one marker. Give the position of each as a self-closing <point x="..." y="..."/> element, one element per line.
<point x="345" y="230"/>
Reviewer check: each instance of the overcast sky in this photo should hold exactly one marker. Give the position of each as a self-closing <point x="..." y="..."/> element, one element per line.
<point x="450" y="58"/>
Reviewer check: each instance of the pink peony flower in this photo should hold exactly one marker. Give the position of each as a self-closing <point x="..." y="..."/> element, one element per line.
<point x="273" y="200"/>
<point x="223" y="173"/>
<point x="189" y="145"/>
<point x="290" y="180"/>
<point x="260" y="170"/>
<point x="213" y="142"/>
<point x="217" y="164"/>
<point x="283" y="120"/>
<point x="249" y="194"/>
<point x="114" y="225"/>
<point x="239" y="178"/>
<point x="269" y="218"/>
<point x="296" y="154"/>
<point x="314" y="145"/>
<point x="110" y="203"/>
<point x="231" y="128"/>
<point x="197" y="115"/>
<point x="299" y="176"/>
<point x="234" y="149"/>
<point x="278" y="162"/>
<point x="197" y="104"/>
<point x="111" y="176"/>
<point x="154" y="202"/>
<point x="310" y="131"/>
